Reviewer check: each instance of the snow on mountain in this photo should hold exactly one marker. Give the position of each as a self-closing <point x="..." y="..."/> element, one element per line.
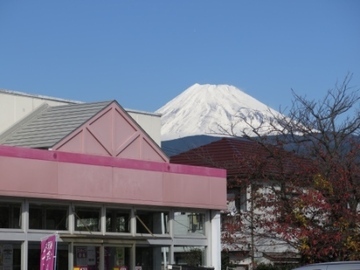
<point x="209" y="110"/>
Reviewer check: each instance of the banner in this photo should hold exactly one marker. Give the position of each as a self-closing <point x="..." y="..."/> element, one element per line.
<point x="47" y="255"/>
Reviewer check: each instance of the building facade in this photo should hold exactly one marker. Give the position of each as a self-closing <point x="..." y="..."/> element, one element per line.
<point x="252" y="173"/>
<point x="90" y="174"/>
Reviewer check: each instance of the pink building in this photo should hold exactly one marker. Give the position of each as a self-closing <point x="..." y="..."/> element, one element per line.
<point x="89" y="173"/>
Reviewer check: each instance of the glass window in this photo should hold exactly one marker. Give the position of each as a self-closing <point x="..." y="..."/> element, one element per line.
<point x="87" y="219"/>
<point x="48" y="217"/>
<point x="117" y="258"/>
<point x="152" y="222"/>
<point x="10" y="255"/>
<point x="189" y="223"/>
<point x="10" y="215"/>
<point x="189" y="255"/>
<point x="237" y="200"/>
<point x="86" y="257"/>
<point x="196" y="222"/>
<point x="117" y="220"/>
<point x="154" y="257"/>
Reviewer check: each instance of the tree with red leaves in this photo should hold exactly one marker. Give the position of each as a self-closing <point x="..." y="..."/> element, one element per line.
<point x="314" y="208"/>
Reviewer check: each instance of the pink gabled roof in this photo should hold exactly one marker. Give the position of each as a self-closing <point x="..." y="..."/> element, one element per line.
<point x="112" y="132"/>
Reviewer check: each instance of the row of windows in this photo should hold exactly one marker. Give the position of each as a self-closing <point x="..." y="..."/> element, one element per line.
<point x="56" y="217"/>
<point x="114" y="257"/>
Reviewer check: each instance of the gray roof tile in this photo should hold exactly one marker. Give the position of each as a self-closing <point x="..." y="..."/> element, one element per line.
<point x="48" y="125"/>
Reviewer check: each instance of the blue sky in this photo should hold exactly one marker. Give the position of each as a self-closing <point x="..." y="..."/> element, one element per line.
<point x="145" y="53"/>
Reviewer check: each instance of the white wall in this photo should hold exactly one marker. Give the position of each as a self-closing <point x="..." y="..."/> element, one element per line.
<point x="15" y="105"/>
<point x="150" y="122"/>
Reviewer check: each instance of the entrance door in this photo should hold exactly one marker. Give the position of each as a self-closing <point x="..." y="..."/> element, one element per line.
<point x="117" y="258"/>
<point x="86" y="257"/>
<point x="152" y="257"/>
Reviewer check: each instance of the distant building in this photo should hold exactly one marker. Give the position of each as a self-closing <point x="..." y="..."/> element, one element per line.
<point x="94" y="175"/>
<point x="238" y="157"/>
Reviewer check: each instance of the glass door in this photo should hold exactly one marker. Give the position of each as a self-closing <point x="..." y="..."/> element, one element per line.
<point x="117" y="258"/>
<point x="152" y="257"/>
<point x="86" y="257"/>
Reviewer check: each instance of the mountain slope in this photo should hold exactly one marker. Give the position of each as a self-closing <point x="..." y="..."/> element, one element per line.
<point x="209" y="110"/>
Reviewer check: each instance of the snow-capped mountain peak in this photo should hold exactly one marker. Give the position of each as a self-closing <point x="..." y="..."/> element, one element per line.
<point x="209" y="110"/>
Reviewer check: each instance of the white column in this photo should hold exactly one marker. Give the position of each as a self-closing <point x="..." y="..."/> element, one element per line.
<point x="132" y="256"/>
<point x="25" y="227"/>
<point x="24" y="255"/>
<point x="215" y="240"/>
<point x="71" y="255"/>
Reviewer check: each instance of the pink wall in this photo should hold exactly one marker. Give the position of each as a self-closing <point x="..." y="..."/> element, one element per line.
<point x="69" y="176"/>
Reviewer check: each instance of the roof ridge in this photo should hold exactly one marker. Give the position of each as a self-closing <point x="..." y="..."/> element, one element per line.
<point x="84" y="103"/>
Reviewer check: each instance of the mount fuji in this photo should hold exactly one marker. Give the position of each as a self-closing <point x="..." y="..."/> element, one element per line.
<point x="212" y="110"/>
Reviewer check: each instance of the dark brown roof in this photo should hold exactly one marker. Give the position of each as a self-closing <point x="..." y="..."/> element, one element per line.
<point x="243" y="157"/>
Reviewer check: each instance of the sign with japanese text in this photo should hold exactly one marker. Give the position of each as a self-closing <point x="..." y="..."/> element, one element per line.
<point x="48" y="249"/>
